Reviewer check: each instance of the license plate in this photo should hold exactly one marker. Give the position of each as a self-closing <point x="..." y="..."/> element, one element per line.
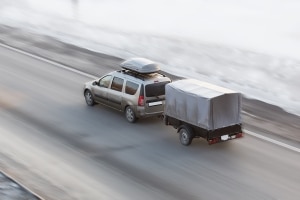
<point x="155" y="103"/>
<point x="224" y="137"/>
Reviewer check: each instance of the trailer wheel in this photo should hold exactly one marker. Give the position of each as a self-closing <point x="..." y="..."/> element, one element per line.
<point x="186" y="135"/>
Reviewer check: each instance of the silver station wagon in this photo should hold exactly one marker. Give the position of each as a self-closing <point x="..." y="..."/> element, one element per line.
<point x="138" y="89"/>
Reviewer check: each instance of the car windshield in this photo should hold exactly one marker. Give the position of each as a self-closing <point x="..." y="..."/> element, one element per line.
<point x="155" y="89"/>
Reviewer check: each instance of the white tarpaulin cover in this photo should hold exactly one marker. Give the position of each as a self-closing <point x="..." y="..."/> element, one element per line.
<point x="203" y="104"/>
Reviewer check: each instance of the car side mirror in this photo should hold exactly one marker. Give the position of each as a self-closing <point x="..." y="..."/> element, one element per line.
<point x="95" y="83"/>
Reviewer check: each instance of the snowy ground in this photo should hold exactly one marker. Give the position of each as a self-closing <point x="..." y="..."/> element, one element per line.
<point x="249" y="46"/>
<point x="10" y="190"/>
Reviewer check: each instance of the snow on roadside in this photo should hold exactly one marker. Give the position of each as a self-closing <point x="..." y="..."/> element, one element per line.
<point x="9" y="190"/>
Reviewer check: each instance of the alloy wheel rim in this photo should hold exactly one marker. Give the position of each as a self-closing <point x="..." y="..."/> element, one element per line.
<point x="88" y="97"/>
<point x="129" y="114"/>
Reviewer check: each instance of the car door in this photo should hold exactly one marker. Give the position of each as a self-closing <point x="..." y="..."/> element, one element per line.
<point x="101" y="88"/>
<point x="155" y="97"/>
<point x="115" y="93"/>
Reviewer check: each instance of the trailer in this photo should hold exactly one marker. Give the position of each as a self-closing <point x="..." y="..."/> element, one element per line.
<point x="202" y="110"/>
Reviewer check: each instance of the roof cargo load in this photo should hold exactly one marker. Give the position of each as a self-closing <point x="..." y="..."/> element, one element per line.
<point x="140" y="65"/>
<point x="203" y="104"/>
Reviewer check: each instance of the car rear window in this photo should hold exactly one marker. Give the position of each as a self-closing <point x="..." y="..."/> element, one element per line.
<point x="131" y="88"/>
<point x="155" y="89"/>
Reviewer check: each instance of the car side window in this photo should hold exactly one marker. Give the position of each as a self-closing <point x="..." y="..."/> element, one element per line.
<point x="117" y="84"/>
<point x="131" y="88"/>
<point x="105" y="81"/>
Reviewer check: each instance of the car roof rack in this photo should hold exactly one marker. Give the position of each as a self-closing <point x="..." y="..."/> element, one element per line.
<point x="139" y="75"/>
<point x="140" y="65"/>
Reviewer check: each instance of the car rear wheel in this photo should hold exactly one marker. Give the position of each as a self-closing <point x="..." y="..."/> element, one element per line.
<point x="130" y="115"/>
<point x="89" y="98"/>
<point x="186" y="135"/>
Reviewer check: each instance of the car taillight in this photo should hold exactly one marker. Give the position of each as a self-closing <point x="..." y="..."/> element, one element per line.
<point x="239" y="135"/>
<point x="141" y="101"/>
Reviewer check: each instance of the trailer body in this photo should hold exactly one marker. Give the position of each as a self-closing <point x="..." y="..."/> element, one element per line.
<point x="201" y="109"/>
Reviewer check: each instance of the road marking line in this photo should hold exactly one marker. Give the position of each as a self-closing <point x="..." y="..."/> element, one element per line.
<point x="15" y="180"/>
<point x="48" y="61"/>
<point x="273" y="141"/>
<point x="249" y="114"/>
<point x="94" y="77"/>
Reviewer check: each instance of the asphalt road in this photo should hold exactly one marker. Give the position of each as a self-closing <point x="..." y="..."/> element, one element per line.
<point x="62" y="149"/>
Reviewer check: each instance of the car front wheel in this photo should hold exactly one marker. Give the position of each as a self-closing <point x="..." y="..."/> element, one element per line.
<point x="89" y="98"/>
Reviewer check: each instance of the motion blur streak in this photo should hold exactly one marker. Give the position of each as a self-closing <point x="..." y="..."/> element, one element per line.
<point x="48" y="61"/>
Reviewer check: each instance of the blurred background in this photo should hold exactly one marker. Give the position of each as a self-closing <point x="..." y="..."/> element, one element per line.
<point x="59" y="147"/>
<point x="249" y="46"/>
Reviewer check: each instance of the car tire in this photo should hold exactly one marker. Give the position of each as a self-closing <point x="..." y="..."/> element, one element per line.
<point x="89" y="98"/>
<point x="130" y="115"/>
<point x="186" y="135"/>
